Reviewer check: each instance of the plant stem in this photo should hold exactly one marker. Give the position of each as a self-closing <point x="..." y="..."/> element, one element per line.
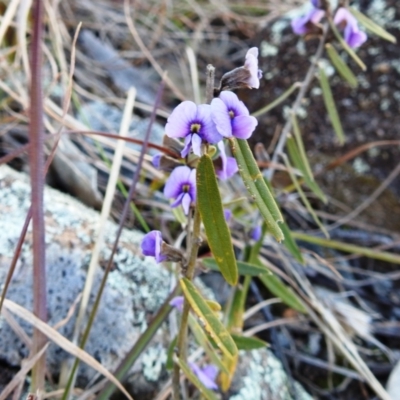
<point x="36" y="158"/>
<point x="269" y="173"/>
<point x="182" y="335"/>
<point x="210" y="83"/>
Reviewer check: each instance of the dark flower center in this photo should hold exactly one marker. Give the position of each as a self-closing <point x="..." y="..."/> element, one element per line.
<point x="195" y="128"/>
<point x="185" y="188"/>
<point x="231" y="114"/>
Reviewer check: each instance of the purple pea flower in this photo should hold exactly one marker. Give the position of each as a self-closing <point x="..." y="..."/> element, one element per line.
<point x="151" y="246"/>
<point x="177" y="302"/>
<point x="229" y="165"/>
<point x="231" y="116"/>
<point x="352" y="34"/>
<point x="227" y="214"/>
<point x="181" y="186"/>
<point x="305" y="24"/>
<point x="194" y="124"/>
<point x="207" y="375"/>
<point x="251" y="64"/>
<point x="256" y="232"/>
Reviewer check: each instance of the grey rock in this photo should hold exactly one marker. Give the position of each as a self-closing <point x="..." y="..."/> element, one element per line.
<point x="135" y="290"/>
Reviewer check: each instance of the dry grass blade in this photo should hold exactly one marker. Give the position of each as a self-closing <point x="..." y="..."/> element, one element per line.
<point x="105" y="211"/>
<point x="61" y="341"/>
<point x="20" y="376"/>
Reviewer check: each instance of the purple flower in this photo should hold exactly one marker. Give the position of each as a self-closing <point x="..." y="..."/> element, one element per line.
<point x="229" y="165"/>
<point x="151" y="245"/>
<point x="227" y="214"/>
<point x="231" y="116"/>
<point x="303" y="25"/>
<point x="156" y="160"/>
<point x="256" y="232"/>
<point x="251" y="64"/>
<point x="207" y="375"/>
<point x="177" y="302"/>
<point x="194" y="124"/>
<point x="352" y="34"/>
<point x="181" y="186"/>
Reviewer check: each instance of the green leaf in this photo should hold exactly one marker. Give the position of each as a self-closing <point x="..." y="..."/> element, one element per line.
<point x="256" y="186"/>
<point x="330" y="105"/>
<point x="244" y="268"/>
<point x="372" y="26"/>
<point x="291" y="244"/>
<point x="341" y="67"/>
<point x="212" y="214"/>
<point x="212" y="324"/>
<point x="348" y="49"/>
<point x="207" y="393"/>
<point x="303" y="196"/>
<point x="202" y="340"/>
<point x="170" y="354"/>
<point x="298" y="155"/>
<point x="284" y="292"/>
<point x="248" y="343"/>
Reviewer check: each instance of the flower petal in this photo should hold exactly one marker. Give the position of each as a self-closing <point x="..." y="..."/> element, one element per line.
<point x="243" y="126"/>
<point x="208" y="131"/>
<point x="186" y="201"/>
<point x="251" y="63"/>
<point x="196" y="144"/>
<point x="233" y="103"/>
<point x="178" y="177"/>
<point x="221" y="117"/>
<point x="177" y="302"/>
<point x="180" y="120"/>
<point x="204" y="378"/>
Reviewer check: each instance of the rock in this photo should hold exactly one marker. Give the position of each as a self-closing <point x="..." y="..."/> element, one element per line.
<point x="136" y="288"/>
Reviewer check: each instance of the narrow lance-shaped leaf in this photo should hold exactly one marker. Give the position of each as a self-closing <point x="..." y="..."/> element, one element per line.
<point x="244" y="268"/>
<point x="212" y="324"/>
<point x="341" y="67"/>
<point x="207" y="393"/>
<point x="248" y="343"/>
<point x="301" y="162"/>
<point x="212" y="214"/>
<point x="203" y="341"/>
<point x="372" y="26"/>
<point x="330" y="105"/>
<point x="303" y="196"/>
<point x="256" y="186"/>
<point x="295" y="158"/>
<point x="346" y="47"/>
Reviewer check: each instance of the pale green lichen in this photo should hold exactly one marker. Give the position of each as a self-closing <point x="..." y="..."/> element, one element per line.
<point x="153" y="361"/>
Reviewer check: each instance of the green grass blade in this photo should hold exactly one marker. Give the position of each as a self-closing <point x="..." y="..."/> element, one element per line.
<point x="372" y="26"/>
<point x="212" y="324"/>
<point x="291" y="244"/>
<point x="330" y="106"/>
<point x="341" y="67"/>
<point x="212" y="214"/>
<point x="256" y="186"/>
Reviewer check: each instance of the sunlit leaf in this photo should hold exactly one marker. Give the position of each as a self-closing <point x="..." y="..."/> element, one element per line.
<point x="202" y="340"/>
<point x="248" y="343"/>
<point x="207" y="393"/>
<point x="226" y="379"/>
<point x="244" y="268"/>
<point x="212" y="324"/>
<point x="212" y="214"/>
<point x="215" y="306"/>
<point x="330" y="106"/>
<point x="341" y="67"/>
<point x="284" y="292"/>
<point x="372" y="26"/>
<point x="255" y="184"/>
